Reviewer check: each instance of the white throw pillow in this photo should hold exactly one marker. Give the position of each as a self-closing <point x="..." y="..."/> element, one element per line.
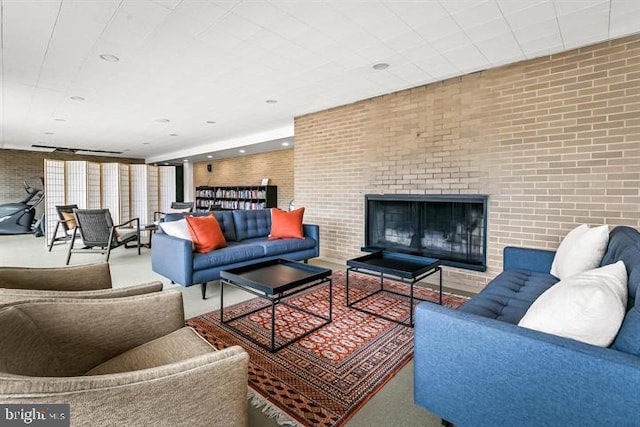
<point x="581" y="250"/>
<point x="181" y="210"/>
<point x="177" y="229"/>
<point x="587" y="307"/>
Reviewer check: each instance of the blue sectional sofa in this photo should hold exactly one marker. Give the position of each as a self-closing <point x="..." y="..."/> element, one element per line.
<point x="475" y="367"/>
<point x="246" y="234"/>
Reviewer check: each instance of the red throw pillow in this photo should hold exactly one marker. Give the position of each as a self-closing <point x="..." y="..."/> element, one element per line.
<point x="206" y="233"/>
<point x="285" y="225"/>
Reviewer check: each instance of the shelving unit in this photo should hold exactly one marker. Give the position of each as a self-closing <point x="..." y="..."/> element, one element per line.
<point x="227" y="198"/>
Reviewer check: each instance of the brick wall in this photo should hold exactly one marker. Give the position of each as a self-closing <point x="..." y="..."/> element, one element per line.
<point x="249" y="170"/>
<point x="19" y="165"/>
<point x="553" y="141"/>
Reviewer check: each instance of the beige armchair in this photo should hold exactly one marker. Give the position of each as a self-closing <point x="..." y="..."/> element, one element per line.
<point x="126" y="361"/>
<point x="78" y="281"/>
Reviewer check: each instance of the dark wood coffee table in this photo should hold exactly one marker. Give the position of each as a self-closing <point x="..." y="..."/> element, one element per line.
<point x="394" y="266"/>
<point x="275" y="281"/>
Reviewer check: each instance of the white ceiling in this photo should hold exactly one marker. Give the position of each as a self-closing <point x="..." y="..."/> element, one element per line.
<point x="194" y="61"/>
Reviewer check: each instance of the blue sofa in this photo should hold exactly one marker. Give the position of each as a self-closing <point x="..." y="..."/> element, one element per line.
<point x="475" y="367"/>
<point x="246" y="234"/>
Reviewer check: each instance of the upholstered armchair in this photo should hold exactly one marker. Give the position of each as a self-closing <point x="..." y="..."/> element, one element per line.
<point x="125" y="361"/>
<point x="78" y="281"/>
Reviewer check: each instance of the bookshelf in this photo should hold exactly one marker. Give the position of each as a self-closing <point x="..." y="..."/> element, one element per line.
<point x="226" y="198"/>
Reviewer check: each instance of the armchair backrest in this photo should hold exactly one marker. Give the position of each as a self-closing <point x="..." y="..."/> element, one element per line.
<point x="72" y="278"/>
<point x="182" y="206"/>
<point x="78" y="334"/>
<point x="95" y="226"/>
<point x="65" y="214"/>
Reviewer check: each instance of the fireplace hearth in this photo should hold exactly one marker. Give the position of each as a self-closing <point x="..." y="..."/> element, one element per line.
<point x="452" y="228"/>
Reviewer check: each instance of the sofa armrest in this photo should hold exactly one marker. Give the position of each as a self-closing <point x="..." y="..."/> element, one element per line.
<point x="205" y="390"/>
<point x="313" y="231"/>
<point x="70" y="278"/>
<point x="86" y="332"/>
<point x="538" y="260"/>
<point x="172" y="257"/>
<point x="472" y="370"/>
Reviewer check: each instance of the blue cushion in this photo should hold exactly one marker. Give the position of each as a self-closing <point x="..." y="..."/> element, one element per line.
<point x="225" y="219"/>
<point x="624" y="245"/>
<point x="509" y="295"/>
<point x="252" y="224"/>
<point x="628" y="339"/>
<point x="233" y="253"/>
<point x="283" y="246"/>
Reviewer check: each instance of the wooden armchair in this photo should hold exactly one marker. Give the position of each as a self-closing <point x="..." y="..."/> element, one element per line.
<point x="100" y="235"/>
<point x="66" y="223"/>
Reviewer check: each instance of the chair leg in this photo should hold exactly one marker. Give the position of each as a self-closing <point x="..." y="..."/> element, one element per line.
<point x="108" y="252"/>
<point x="73" y="241"/>
<point x="203" y="289"/>
<point x="138" y="240"/>
<point x="53" y="238"/>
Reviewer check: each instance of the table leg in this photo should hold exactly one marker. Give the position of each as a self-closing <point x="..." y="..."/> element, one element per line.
<point x="273" y="326"/>
<point x="221" y="301"/>
<point x="411" y="303"/>
<point x="331" y="299"/>
<point x="348" y="269"/>
<point x="440" y="285"/>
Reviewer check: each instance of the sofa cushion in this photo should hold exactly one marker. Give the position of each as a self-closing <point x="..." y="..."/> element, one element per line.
<point x="252" y="224"/>
<point x="24" y="350"/>
<point x="587" y="307"/>
<point x="286" y="225"/>
<point x="581" y="250"/>
<point x="284" y="246"/>
<point x="174" y="347"/>
<point x="225" y="220"/>
<point x="509" y="295"/>
<point x="628" y="338"/>
<point x="235" y="252"/>
<point x="206" y="233"/>
<point x="178" y="229"/>
<point x="624" y="245"/>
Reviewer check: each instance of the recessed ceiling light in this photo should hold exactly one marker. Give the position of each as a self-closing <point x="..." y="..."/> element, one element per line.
<point x="242" y="151"/>
<point x="60" y="120"/>
<point x="271" y="101"/>
<point x="166" y="164"/>
<point x="211" y="122"/>
<point x="185" y="160"/>
<point x="209" y="157"/>
<point x="285" y="144"/>
<point x="48" y="133"/>
<point x="381" y="66"/>
<point x="109" y="58"/>
<point x="76" y="98"/>
<point x="173" y="134"/>
<point x="163" y="120"/>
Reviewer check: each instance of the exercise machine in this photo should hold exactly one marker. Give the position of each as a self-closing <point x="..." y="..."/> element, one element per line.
<point x="18" y="218"/>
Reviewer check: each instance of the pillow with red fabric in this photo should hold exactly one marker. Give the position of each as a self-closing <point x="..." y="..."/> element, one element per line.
<point x="206" y="233"/>
<point x="286" y="225"/>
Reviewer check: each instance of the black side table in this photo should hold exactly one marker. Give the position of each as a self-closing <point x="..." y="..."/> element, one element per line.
<point x="399" y="267"/>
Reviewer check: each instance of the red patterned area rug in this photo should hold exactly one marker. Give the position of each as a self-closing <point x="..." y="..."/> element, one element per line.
<point x="324" y="378"/>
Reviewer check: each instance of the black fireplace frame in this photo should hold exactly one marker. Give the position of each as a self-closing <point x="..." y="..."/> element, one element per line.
<point x="444" y="198"/>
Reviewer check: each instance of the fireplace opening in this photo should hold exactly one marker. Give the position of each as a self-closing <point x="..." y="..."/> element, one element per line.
<point x="451" y="228"/>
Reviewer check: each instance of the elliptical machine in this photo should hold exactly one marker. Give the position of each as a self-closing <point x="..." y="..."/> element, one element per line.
<point x="17" y="218"/>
